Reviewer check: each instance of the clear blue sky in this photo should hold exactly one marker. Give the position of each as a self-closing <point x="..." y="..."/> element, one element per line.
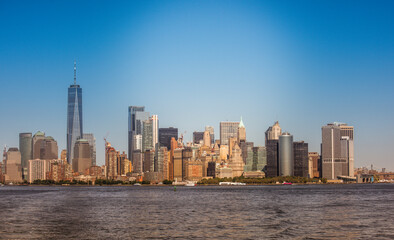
<point x="196" y="63"/>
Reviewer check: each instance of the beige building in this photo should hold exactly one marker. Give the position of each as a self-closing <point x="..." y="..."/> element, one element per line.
<point x="13" y="167"/>
<point x="178" y="171"/>
<point x="313" y="165"/>
<point x="236" y="162"/>
<point x="110" y="162"/>
<point x="38" y="169"/>
<point x="194" y="170"/>
<point x="241" y="132"/>
<point x="223" y="152"/>
<point x="273" y="132"/>
<point x="207" y="139"/>
<point x="224" y="172"/>
<point x="82" y="156"/>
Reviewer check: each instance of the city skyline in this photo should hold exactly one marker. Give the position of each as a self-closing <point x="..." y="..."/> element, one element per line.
<point x="188" y="93"/>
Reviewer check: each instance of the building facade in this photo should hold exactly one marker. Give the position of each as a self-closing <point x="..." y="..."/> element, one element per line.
<point x="227" y="130"/>
<point x="286" y="155"/>
<point x="165" y="135"/>
<point x="301" y="159"/>
<point x="25" y="147"/>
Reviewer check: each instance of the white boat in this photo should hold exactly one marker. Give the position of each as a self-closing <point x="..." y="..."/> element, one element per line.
<point x="232" y="184"/>
<point x="190" y="184"/>
<point x="137" y="184"/>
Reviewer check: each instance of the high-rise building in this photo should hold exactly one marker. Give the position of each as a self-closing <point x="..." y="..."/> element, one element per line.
<point x="259" y="158"/>
<point x="162" y="162"/>
<point x="155" y="130"/>
<point x="272" y="158"/>
<point x="347" y="153"/>
<point x="227" y="130"/>
<point x="92" y="143"/>
<point x="314" y="159"/>
<point x="147" y="134"/>
<point x="241" y="132"/>
<point x="136" y="116"/>
<point x="331" y="152"/>
<point x="13" y="168"/>
<point x="36" y="145"/>
<point x="178" y="164"/>
<point x="211" y="132"/>
<point x="165" y="135"/>
<point x="38" y="169"/>
<point x="273" y="132"/>
<point x="198" y="137"/>
<point x="346" y="130"/>
<point x="301" y="159"/>
<point x="82" y="156"/>
<point x="236" y="163"/>
<point x="25" y="144"/>
<point x="111" y="157"/>
<point x="48" y="149"/>
<point x="286" y="155"/>
<point x="74" y="116"/>
<point x="207" y="139"/>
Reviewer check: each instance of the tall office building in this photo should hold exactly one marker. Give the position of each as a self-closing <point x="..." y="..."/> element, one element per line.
<point x="74" y="116"/>
<point x="272" y="158"/>
<point x="136" y="117"/>
<point x="25" y="144"/>
<point x="331" y="152"/>
<point x="241" y="134"/>
<point x="82" y="156"/>
<point x="13" y="168"/>
<point x="259" y="158"/>
<point x="155" y="130"/>
<point x="314" y="161"/>
<point x="165" y="135"/>
<point x="286" y="155"/>
<point x="207" y="139"/>
<point x="273" y="132"/>
<point x="227" y="130"/>
<point x="301" y="159"/>
<point x="147" y="134"/>
<point x="211" y="132"/>
<point x="92" y="143"/>
<point x="347" y="153"/>
<point x="36" y="145"/>
<point x="346" y="130"/>
<point x="198" y="137"/>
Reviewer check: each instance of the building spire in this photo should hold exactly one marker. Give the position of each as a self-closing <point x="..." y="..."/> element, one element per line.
<point x="241" y="124"/>
<point x="75" y="72"/>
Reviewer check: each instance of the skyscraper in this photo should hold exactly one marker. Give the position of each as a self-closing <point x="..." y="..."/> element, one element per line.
<point x="25" y="144"/>
<point x="197" y="137"/>
<point x="301" y="159"/>
<point x="165" y="135"/>
<point x="241" y="132"/>
<point x="331" y="152"/>
<point x="74" y="116"/>
<point x="272" y="158"/>
<point x="82" y="157"/>
<point x="286" y="155"/>
<point x="92" y="142"/>
<point x="136" y="116"/>
<point x="155" y="130"/>
<point x="147" y="133"/>
<point x="227" y="130"/>
<point x="211" y="132"/>
<point x="273" y="132"/>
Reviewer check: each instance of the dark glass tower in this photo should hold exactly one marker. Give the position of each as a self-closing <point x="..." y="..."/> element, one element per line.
<point x="74" y="116"/>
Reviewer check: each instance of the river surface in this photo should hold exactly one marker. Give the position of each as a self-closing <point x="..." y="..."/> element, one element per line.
<point x="363" y="211"/>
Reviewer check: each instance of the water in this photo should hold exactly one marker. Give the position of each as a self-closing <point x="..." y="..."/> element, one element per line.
<point x="215" y="212"/>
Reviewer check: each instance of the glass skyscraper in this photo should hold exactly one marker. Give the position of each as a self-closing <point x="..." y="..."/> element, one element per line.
<point x="137" y="115"/>
<point x="74" y="117"/>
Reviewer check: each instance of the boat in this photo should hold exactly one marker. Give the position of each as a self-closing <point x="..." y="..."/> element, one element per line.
<point x="287" y="183"/>
<point x="137" y="184"/>
<point x="190" y="184"/>
<point x="232" y="184"/>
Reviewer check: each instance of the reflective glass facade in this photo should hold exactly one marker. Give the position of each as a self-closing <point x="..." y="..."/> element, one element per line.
<point x="74" y="119"/>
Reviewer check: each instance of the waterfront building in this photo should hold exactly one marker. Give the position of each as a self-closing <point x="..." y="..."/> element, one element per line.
<point x="207" y="139"/>
<point x="63" y="155"/>
<point x="92" y="143"/>
<point x="25" y="145"/>
<point x="236" y="163"/>
<point x="171" y="166"/>
<point x="123" y="164"/>
<point x="36" y="145"/>
<point x="211" y="133"/>
<point x="138" y="157"/>
<point x="147" y="135"/>
<point x="136" y="116"/>
<point x="211" y="169"/>
<point x="194" y="170"/>
<point x="241" y="134"/>
<point x="301" y="159"/>
<point x="82" y="156"/>
<point x="273" y="132"/>
<point x="74" y="116"/>
<point x="38" y="169"/>
<point x="162" y="162"/>
<point x="178" y="164"/>
<point x="227" y="130"/>
<point x="272" y="147"/>
<point x="165" y="135"/>
<point x="111" y="162"/>
<point x="198" y="137"/>
<point x="347" y="153"/>
<point x="155" y="130"/>
<point x="247" y="157"/>
<point x="60" y="170"/>
<point x="13" y="166"/>
<point x="286" y="155"/>
<point x="259" y="158"/>
<point x="224" y="172"/>
<point x="331" y="152"/>
<point x="314" y="159"/>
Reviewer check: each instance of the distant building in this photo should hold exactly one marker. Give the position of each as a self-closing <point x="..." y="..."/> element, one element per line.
<point x="286" y="155"/>
<point x="38" y="169"/>
<point x="147" y="135"/>
<point x="92" y="143"/>
<point x="111" y="162"/>
<point x="347" y="153"/>
<point x="155" y="130"/>
<point x="273" y="133"/>
<point x="198" y="137"/>
<point x="211" y="132"/>
<point x="149" y="158"/>
<point x="165" y="135"/>
<point x="272" y="147"/>
<point x="331" y="152"/>
<point x="227" y="130"/>
<point x="36" y="145"/>
<point x="224" y="172"/>
<point x="194" y="170"/>
<point x="82" y="156"/>
<point x="211" y="169"/>
<point x="136" y="116"/>
<point x="314" y="159"/>
<point x="138" y="157"/>
<point x="207" y="139"/>
<point x="74" y="117"/>
<point x="178" y="168"/>
<point x="236" y="163"/>
<point x="162" y="163"/>
<point x="259" y="158"/>
<point x="247" y="157"/>
<point x="301" y="159"/>
<point x="241" y="134"/>
<point x="25" y="145"/>
<point x="13" y="166"/>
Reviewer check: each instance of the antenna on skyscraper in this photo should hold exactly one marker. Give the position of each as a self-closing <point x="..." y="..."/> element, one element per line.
<point x="75" y="72"/>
